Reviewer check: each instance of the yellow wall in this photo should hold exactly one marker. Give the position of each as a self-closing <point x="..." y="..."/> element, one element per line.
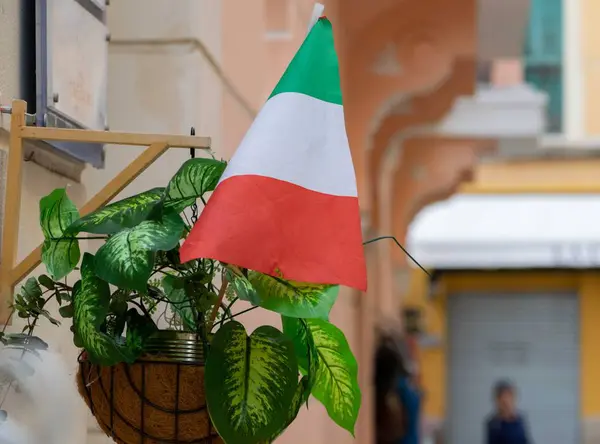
<point x="587" y="285"/>
<point x="589" y="293"/>
<point x="433" y="361"/>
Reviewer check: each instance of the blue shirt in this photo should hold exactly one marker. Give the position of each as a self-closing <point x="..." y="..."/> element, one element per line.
<point x="410" y="397"/>
<point x="500" y="431"/>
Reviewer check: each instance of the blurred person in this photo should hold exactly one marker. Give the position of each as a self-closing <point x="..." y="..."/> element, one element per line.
<point x="506" y="425"/>
<point x="397" y="399"/>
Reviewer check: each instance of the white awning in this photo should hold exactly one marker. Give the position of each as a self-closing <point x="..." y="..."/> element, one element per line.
<point x="508" y="231"/>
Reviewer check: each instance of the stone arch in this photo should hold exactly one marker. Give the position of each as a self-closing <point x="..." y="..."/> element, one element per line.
<point x="425" y="37"/>
<point x="433" y="169"/>
<point x="424" y="110"/>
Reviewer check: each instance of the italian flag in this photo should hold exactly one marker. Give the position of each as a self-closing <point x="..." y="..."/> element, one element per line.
<point x="287" y="204"/>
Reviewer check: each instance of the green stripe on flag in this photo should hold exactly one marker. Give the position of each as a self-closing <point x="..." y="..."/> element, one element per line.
<point x="314" y="70"/>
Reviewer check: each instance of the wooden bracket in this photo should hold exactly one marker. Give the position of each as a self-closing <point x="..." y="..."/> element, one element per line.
<point x="12" y="273"/>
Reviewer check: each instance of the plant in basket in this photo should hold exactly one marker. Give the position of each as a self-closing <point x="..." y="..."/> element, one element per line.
<point x="156" y="307"/>
<point x="160" y="337"/>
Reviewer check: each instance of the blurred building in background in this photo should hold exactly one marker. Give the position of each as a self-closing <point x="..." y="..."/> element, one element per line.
<point x="494" y="103"/>
<point x="515" y="251"/>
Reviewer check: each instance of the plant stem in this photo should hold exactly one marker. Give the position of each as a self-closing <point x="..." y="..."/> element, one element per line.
<point x="63" y="286"/>
<point x="81" y="238"/>
<point x="227" y="310"/>
<point x="8" y="320"/>
<point x="402" y="248"/>
<point x="240" y="313"/>
<point x="141" y="307"/>
<point x="36" y="317"/>
<point x="215" y="310"/>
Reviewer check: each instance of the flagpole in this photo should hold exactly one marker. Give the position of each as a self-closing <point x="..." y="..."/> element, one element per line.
<point x="317" y="12"/>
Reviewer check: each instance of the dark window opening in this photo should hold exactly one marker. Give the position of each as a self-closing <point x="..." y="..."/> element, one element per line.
<point x="28" y="54"/>
<point x="34" y="75"/>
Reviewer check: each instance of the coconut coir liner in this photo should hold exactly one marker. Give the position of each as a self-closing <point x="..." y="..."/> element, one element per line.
<point x="158" y="387"/>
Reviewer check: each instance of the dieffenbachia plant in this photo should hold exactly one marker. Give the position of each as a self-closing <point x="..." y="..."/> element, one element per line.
<point x="255" y="384"/>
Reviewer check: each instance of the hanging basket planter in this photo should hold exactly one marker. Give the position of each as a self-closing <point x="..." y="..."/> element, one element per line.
<point x="149" y="387"/>
<point x="159" y="399"/>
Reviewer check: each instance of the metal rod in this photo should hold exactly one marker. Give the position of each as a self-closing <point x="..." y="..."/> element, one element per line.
<point x="29" y="118"/>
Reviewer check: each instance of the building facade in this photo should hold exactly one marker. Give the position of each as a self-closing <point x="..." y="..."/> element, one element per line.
<point x="431" y="88"/>
<point x="514" y="293"/>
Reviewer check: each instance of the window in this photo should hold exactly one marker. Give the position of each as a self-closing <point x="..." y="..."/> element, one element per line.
<point x="278" y="18"/>
<point x="544" y="54"/>
<point x="64" y="60"/>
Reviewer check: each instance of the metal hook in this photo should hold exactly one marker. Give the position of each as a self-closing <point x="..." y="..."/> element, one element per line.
<point x="194" y="217"/>
<point x="192" y="150"/>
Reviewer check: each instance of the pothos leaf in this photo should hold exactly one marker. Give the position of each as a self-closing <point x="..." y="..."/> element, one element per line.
<point x="60" y="251"/>
<point x="127" y="258"/>
<point x="66" y="311"/>
<point x="292" y="298"/>
<point x="250" y="382"/>
<point x="126" y="213"/>
<point x="195" y="178"/>
<point x="180" y="302"/>
<point x="91" y="300"/>
<point x="46" y="282"/>
<point x="336" y="384"/>
<point x="306" y="352"/>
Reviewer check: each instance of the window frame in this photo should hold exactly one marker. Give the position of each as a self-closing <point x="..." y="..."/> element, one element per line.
<point x="46" y="113"/>
<point x="537" y="59"/>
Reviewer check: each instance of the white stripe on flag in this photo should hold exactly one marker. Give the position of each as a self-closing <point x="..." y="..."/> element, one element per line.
<point x="298" y="139"/>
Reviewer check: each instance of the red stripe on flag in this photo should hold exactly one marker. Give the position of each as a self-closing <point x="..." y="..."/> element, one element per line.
<point x="279" y="228"/>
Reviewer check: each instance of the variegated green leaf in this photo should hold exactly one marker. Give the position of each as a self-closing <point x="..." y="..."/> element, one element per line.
<point x="126" y="213"/>
<point x="195" y="178"/>
<point x="127" y="257"/>
<point x="60" y="256"/>
<point x="60" y="251"/>
<point x="57" y="213"/>
<point x="300" y="397"/>
<point x="250" y="382"/>
<point x="291" y="298"/>
<point x="91" y="300"/>
<point x="180" y="302"/>
<point x="308" y="359"/>
<point x="243" y="289"/>
<point x="336" y="384"/>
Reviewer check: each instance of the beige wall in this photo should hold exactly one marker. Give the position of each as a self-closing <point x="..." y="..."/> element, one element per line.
<point x="163" y="87"/>
<point x="152" y="88"/>
<point x="159" y="85"/>
<point x="590" y="38"/>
